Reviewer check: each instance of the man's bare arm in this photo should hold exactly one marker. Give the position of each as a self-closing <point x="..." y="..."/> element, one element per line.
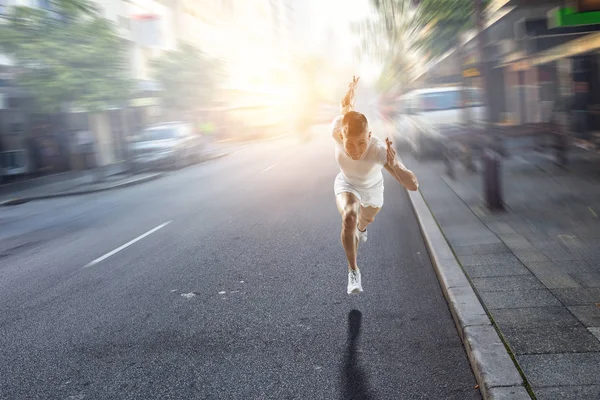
<point x="402" y="174"/>
<point x="348" y="101"/>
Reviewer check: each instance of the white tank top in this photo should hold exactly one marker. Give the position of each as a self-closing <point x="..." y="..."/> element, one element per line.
<point x="366" y="172"/>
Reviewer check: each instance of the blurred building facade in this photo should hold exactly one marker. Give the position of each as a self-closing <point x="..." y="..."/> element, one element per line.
<point x="255" y="41"/>
<point x="144" y="26"/>
<point x="537" y="52"/>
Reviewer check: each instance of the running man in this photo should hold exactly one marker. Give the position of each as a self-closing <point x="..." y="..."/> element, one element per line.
<point x="359" y="186"/>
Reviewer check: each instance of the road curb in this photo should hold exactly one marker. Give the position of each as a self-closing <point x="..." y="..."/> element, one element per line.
<point x="494" y="369"/>
<point x="132" y="182"/>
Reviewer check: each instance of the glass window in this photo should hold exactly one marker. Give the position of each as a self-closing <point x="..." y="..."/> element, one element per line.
<point x="163" y="133"/>
<point x="474" y="97"/>
<point x="411" y="105"/>
<point x="437" y="101"/>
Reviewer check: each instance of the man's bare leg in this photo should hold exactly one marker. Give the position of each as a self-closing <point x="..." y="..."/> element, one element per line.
<point x="348" y="206"/>
<point x="366" y="216"/>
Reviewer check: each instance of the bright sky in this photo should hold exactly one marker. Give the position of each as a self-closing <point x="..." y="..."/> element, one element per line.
<point x="321" y="16"/>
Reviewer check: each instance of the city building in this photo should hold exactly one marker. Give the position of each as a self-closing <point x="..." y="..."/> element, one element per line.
<point x="145" y="27"/>
<point x="256" y="41"/>
<point x="536" y="51"/>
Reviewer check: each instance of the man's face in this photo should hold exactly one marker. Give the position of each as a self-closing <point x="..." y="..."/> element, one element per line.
<point x="356" y="144"/>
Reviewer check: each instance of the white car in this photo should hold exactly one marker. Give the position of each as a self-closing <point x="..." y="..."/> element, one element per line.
<point x="170" y="144"/>
<point x="429" y="116"/>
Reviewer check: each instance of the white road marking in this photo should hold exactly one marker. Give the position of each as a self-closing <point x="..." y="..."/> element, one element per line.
<point x="118" y="249"/>
<point x="188" y="295"/>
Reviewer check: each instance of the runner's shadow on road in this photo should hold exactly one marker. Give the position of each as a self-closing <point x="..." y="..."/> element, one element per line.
<point x="354" y="382"/>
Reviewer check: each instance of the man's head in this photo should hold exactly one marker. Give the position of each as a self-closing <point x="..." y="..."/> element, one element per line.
<point x="355" y="134"/>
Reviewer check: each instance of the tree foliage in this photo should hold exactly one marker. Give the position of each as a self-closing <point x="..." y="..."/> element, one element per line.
<point x="188" y="77"/>
<point x="405" y="33"/>
<point x="66" y="55"/>
<point x="388" y="37"/>
<point x="444" y="22"/>
<point x="73" y="8"/>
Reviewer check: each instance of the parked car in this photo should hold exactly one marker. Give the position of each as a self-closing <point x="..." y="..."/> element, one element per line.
<point x="430" y="116"/>
<point x="171" y="144"/>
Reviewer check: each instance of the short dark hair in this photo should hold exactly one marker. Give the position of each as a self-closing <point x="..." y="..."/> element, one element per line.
<point x="355" y="122"/>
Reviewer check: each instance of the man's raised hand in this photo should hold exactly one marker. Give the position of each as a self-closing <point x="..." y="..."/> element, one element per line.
<point x="348" y="100"/>
<point x="391" y="152"/>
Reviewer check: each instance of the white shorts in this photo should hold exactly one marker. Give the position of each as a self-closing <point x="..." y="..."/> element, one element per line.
<point x="369" y="197"/>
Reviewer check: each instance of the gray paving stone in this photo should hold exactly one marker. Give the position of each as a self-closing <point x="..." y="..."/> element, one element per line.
<point x="588" y="315"/>
<point x="479" y="249"/>
<point x="501" y="228"/>
<point x="552" y="275"/>
<point x="499" y="283"/>
<point x="595" y="331"/>
<point x="561" y="369"/>
<point x="551" y="339"/>
<point x="518" y="298"/>
<point x="516" y="242"/>
<point x="587" y="279"/>
<point x="531" y="256"/>
<point x="590" y="392"/>
<point x="591" y="253"/>
<point x="574" y="266"/>
<point x="534" y="317"/>
<point x="451" y="216"/>
<point x="471" y="239"/>
<point x="485" y="259"/>
<point x="492" y="270"/>
<point x="508" y="393"/>
<point x="557" y="281"/>
<point x="559" y="254"/>
<point x="578" y="296"/>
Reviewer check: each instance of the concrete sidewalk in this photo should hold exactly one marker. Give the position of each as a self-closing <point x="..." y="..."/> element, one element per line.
<point x="76" y="185"/>
<point x="83" y="182"/>
<point x="536" y="267"/>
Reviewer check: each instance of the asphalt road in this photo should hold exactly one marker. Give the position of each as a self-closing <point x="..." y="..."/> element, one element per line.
<point x="222" y="281"/>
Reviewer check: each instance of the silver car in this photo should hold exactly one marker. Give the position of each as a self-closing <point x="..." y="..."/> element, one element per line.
<point x="172" y="145"/>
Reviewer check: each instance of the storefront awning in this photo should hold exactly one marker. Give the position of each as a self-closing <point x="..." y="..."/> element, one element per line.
<point x="579" y="46"/>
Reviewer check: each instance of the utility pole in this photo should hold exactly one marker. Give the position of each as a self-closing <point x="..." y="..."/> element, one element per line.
<point x="492" y="176"/>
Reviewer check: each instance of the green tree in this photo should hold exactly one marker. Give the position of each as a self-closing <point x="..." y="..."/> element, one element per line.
<point x="447" y="20"/>
<point x="73" y="7"/>
<point x="440" y="24"/>
<point x="67" y="55"/>
<point x="389" y="37"/>
<point x="444" y="22"/>
<point x="188" y="78"/>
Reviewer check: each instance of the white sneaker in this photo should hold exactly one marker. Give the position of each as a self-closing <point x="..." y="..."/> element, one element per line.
<point x="354" y="281"/>
<point x="362" y="236"/>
